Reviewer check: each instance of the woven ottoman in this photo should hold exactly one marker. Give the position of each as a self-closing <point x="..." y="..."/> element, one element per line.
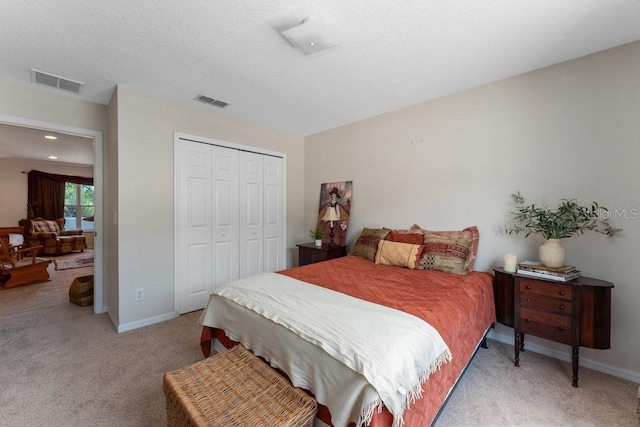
<point x="81" y="291"/>
<point x="235" y="388"/>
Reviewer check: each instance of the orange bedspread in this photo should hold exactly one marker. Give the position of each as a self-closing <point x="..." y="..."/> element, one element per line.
<point x="461" y="308"/>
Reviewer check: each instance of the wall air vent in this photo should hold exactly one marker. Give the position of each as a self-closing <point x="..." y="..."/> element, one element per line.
<point x="55" y="81"/>
<point x="211" y="101"/>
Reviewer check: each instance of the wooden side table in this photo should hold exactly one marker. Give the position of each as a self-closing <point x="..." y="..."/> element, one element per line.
<point x="577" y="312"/>
<point x="309" y="253"/>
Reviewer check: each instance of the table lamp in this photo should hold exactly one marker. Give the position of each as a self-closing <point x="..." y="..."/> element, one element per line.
<point x="332" y="214"/>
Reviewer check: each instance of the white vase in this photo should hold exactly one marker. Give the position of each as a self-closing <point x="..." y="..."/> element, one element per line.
<point x="318" y="242"/>
<point x="551" y="253"/>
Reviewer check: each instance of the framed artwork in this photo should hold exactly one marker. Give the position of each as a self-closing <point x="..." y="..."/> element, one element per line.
<point x="334" y="211"/>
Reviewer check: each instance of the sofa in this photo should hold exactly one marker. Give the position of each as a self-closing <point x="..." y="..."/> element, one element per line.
<point x="51" y="236"/>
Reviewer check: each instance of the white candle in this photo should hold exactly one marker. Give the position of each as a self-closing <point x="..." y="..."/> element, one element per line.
<point x="510" y="262"/>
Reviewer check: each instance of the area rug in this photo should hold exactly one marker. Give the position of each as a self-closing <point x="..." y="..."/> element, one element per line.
<point x="75" y="262"/>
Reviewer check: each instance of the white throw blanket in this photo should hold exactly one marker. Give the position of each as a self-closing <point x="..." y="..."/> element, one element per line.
<point x="395" y="351"/>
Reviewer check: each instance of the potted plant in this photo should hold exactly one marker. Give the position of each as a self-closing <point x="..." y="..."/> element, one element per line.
<point x="317" y="233"/>
<point x="568" y="219"/>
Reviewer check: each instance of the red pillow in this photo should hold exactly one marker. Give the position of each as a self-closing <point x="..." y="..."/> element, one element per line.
<point x="413" y="238"/>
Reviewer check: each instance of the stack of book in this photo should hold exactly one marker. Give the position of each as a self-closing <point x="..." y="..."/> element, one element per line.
<point x="536" y="269"/>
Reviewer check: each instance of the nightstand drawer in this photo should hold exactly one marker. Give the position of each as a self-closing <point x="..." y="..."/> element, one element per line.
<point x="308" y="253"/>
<point x="552" y="305"/>
<point x="545" y="288"/>
<point x="546" y="325"/>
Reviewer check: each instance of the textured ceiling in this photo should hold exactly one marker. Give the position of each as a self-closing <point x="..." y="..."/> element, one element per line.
<point x="392" y="54"/>
<point x="24" y="143"/>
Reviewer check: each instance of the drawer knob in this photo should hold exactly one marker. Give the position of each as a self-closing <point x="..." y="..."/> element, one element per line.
<point x="527" y="320"/>
<point x="561" y="328"/>
<point x="561" y="292"/>
<point x="528" y="286"/>
<point x="561" y="306"/>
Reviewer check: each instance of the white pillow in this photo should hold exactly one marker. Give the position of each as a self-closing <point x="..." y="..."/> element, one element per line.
<point x="15" y="239"/>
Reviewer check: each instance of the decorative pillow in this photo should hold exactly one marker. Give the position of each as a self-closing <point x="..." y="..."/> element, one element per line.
<point x="45" y="226"/>
<point x="399" y="254"/>
<point x="415" y="238"/>
<point x="367" y="244"/>
<point x="467" y="233"/>
<point x="444" y="253"/>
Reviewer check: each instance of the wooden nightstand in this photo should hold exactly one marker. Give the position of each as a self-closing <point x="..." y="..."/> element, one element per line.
<point x="576" y="313"/>
<point x="308" y="253"/>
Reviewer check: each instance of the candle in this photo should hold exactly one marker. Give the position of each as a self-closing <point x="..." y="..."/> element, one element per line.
<point x="510" y="262"/>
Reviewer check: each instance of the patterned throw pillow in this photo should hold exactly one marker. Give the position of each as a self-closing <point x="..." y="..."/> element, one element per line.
<point x="467" y="233"/>
<point x="367" y="244"/>
<point x="415" y="238"/>
<point x="444" y="253"/>
<point x="398" y="254"/>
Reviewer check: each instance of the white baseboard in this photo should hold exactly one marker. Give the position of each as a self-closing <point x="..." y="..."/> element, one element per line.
<point x="146" y="322"/>
<point x="565" y="356"/>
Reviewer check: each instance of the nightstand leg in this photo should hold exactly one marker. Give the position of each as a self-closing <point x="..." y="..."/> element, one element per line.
<point x="521" y="341"/>
<point x="574" y="360"/>
<point x="517" y="349"/>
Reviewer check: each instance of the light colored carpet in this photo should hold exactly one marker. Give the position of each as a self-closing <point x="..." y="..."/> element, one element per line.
<point x="61" y="365"/>
<point x="493" y="392"/>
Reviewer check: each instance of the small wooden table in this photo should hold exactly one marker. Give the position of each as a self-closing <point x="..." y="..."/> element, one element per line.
<point x="576" y="312"/>
<point x="309" y="253"/>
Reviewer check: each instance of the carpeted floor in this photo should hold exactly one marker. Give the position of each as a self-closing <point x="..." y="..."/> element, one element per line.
<point x="61" y="365"/>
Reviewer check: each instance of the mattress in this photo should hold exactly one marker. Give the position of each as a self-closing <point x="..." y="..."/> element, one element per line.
<point x="461" y="308"/>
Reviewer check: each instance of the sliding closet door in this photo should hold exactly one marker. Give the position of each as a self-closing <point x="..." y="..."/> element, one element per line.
<point x="229" y="218"/>
<point x="274" y="246"/>
<point x="251" y="214"/>
<point x="193" y="226"/>
<point x="225" y="214"/>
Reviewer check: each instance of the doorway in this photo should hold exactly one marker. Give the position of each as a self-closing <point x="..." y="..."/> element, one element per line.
<point x="96" y="136"/>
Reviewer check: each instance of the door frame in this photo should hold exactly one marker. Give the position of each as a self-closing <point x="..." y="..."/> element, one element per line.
<point x="177" y="136"/>
<point x="96" y="135"/>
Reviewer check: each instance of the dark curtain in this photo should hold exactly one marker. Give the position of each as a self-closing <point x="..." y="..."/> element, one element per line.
<point x="46" y="193"/>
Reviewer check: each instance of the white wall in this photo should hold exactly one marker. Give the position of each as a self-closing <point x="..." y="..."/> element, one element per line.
<point x="13" y="191"/>
<point x="568" y="131"/>
<point x="146" y="126"/>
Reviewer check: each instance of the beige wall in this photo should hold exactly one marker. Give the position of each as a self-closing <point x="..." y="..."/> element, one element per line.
<point x="13" y="191"/>
<point x="146" y="126"/>
<point x="562" y="132"/>
<point x="110" y="165"/>
<point x="48" y="105"/>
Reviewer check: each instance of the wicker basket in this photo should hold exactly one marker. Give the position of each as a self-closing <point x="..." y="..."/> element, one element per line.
<point x="235" y="388"/>
<point x="81" y="291"/>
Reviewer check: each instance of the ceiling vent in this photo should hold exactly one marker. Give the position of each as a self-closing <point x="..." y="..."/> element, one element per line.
<point x="211" y="101"/>
<point x="55" y="81"/>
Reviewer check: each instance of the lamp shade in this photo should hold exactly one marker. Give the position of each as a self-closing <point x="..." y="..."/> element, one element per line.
<point x="332" y="214"/>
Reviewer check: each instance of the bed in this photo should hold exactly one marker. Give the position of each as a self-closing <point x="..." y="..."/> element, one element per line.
<point x="460" y="307"/>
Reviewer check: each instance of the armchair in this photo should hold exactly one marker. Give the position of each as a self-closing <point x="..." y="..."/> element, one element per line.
<point x="51" y="236"/>
<point x="17" y="269"/>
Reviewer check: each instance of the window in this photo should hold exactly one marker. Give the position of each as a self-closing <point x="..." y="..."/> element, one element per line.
<point x="78" y="206"/>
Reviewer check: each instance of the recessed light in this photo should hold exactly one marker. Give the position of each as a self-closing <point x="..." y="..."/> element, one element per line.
<point x="53" y="157"/>
<point x="50" y="137"/>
